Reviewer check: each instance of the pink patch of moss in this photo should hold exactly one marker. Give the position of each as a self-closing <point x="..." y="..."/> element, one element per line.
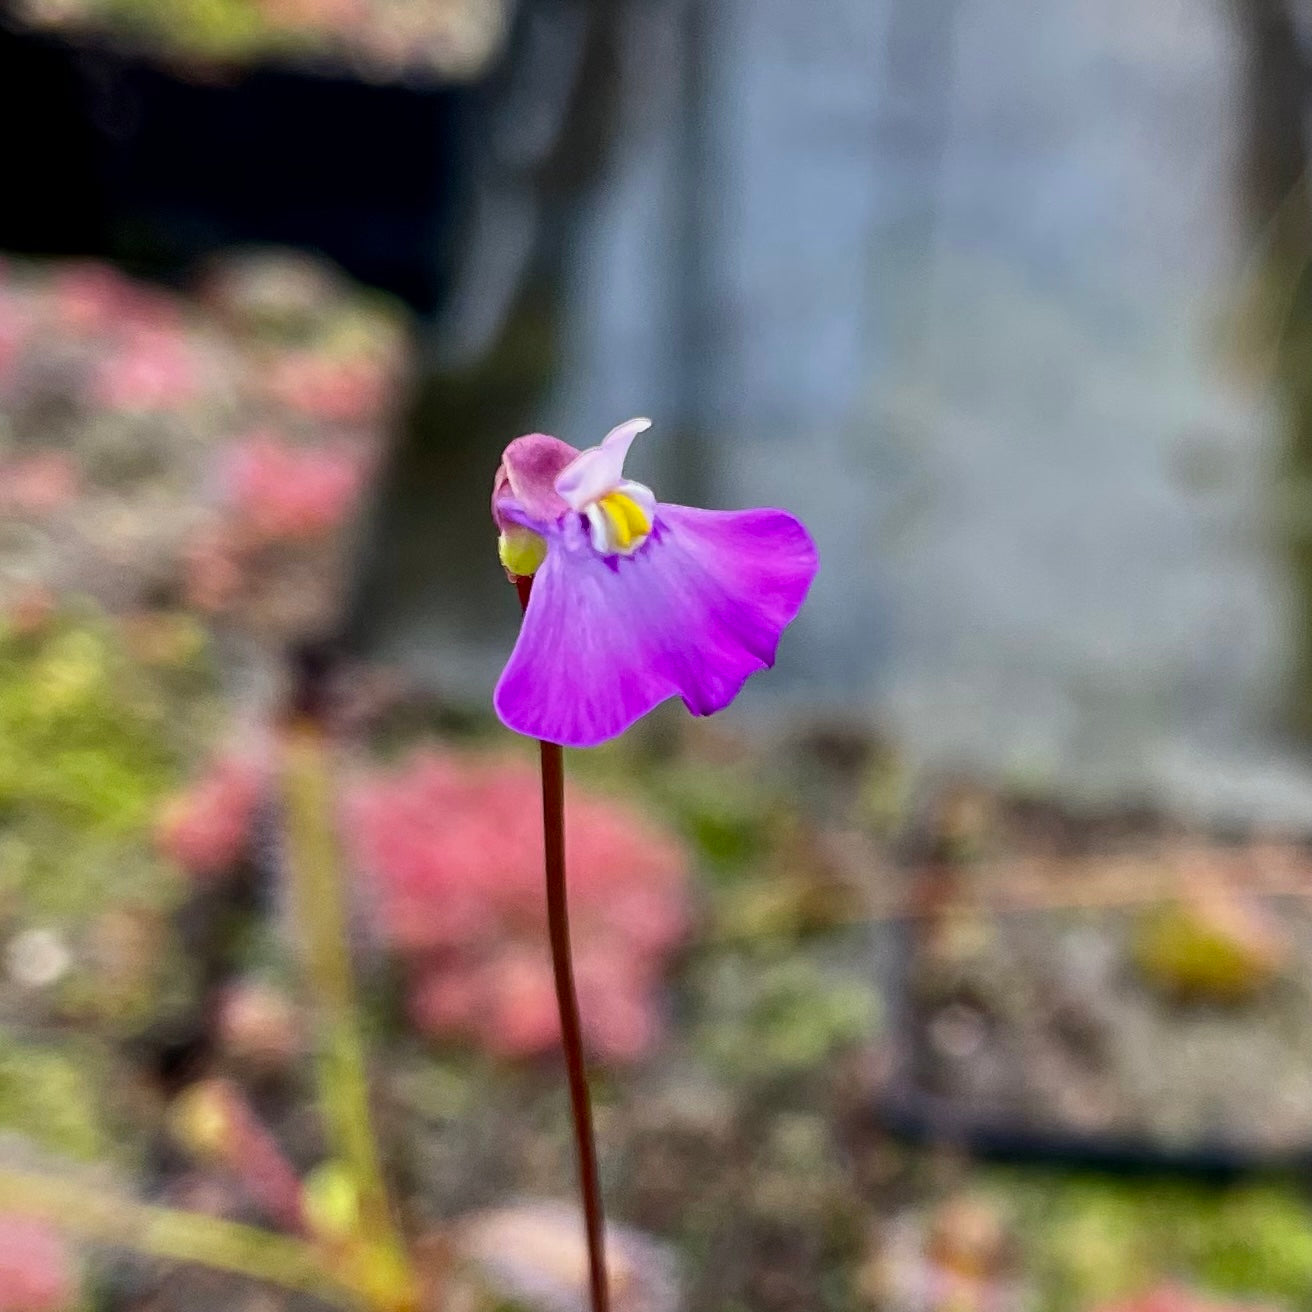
<point x="36" y="1269"/>
<point x="207" y="828"/>
<point x="453" y="848"/>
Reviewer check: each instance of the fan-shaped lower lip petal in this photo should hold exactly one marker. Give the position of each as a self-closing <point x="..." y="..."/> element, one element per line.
<point x="693" y="613"/>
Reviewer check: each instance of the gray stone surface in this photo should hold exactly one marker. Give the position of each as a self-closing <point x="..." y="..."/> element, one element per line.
<point x="956" y="277"/>
<point x="951" y="278"/>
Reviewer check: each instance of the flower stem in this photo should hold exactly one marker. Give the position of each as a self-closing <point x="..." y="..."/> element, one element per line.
<point x="571" y="1034"/>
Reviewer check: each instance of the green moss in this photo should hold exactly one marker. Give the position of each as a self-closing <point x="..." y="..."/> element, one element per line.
<point x="214" y="28"/>
<point x="50" y="1096"/>
<point x="767" y="1019"/>
<point x="1096" y="1239"/>
<point x="98" y="723"/>
<point x="721" y="810"/>
<point x="1187" y="953"/>
<point x="82" y="741"/>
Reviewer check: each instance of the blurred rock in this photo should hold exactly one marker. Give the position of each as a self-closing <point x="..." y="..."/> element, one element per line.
<point x="259" y="1029"/>
<point x="37" y="958"/>
<point x="959" y="1258"/>
<point x="535" y="1253"/>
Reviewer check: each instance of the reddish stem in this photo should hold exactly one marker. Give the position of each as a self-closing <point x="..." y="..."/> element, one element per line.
<point x="571" y="1033"/>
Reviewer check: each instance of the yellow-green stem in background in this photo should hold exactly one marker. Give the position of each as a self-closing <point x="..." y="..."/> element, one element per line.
<point x="319" y="903"/>
<point x="176" y="1236"/>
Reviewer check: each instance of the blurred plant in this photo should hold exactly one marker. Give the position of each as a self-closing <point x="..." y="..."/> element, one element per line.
<point x="38" y="484"/>
<point x="960" y="1258"/>
<point x="205" y="829"/>
<point x="339" y="388"/>
<point x="93" y="735"/>
<point x="1210" y="945"/>
<point x="365" y="1234"/>
<point x="90" y="300"/>
<point x="532" y="1254"/>
<point x="388" y="37"/>
<point x="456" y="858"/>
<point x="98" y="721"/>
<point x="213" y="1120"/>
<point x="258" y="1028"/>
<point x="150" y="368"/>
<point x="214" y="447"/>
<point x="49" y="1093"/>
<point x="769" y="1019"/>
<point x="36" y="1268"/>
<point x="277" y="492"/>
<point x="1176" y="1298"/>
<point x="344" y="1245"/>
<point x="1093" y="1240"/>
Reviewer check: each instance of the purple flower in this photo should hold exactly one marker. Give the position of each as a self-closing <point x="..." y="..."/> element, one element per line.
<point x="633" y="600"/>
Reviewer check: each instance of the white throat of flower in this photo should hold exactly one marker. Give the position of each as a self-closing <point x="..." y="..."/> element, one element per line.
<point x="619" y="511"/>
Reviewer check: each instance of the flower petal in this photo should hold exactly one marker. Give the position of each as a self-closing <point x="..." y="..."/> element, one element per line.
<point x="529" y="467"/>
<point x="692" y="614"/>
<point x="600" y="469"/>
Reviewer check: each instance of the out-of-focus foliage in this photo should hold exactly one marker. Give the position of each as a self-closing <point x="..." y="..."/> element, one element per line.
<point x="206" y="828"/>
<point x="209" y="452"/>
<point x="177" y="478"/>
<point x="1014" y="1240"/>
<point x="1093" y="1240"/>
<point x="51" y="1094"/>
<point x="1176" y="1298"/>
<point x="35" y="1268"/>
<point x="454" y="847"/>
<point x="92" y="736"/>
<point x="1210" y="948"/>
<point x="772" y="1017"/>
<point x="98" y="722"/>
<point x="454" y="38"/>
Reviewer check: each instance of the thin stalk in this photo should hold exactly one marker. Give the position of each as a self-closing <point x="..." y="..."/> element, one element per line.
<point x="571" y="1033"/>
<point x="164" y="1232"/>
<point x="314" y="871"/>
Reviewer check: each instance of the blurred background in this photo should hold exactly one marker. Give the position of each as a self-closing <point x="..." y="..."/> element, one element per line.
<point x="965" y="964"/>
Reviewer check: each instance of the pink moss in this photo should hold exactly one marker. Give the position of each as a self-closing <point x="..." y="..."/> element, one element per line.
<point x="14" y="327"/>
<point x="207" y="828"/>
<point x="149" y="368"/>
<point x="93" y="300"/>
<point x="280" y="492"/>
<point x="344" y="391"/>
<point x="454" y="850"/>
<point x="39" y="483"/>
<point x="213" y="569"/>
<point x="36" y="1269"/>
<point x="314" y="15"/>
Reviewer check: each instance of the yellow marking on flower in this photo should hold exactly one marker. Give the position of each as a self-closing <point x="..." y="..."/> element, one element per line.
<point x="626" y="517"/>
<point x="522" y="551"/>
